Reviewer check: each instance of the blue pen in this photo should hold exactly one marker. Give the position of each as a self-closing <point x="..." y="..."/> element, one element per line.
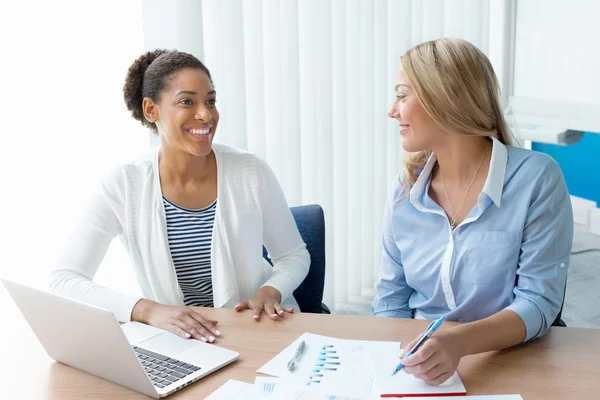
<point x="428" y="333"/>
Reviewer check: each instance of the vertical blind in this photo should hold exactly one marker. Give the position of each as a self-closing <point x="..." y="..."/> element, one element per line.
<point x="306" y="85"/>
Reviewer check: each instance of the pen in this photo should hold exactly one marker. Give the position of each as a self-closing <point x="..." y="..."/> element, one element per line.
<point x="291" y="365"/>
<point x="428" y="333"/>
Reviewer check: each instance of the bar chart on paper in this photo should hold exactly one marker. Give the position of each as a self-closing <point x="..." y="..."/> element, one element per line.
<point x="326" y="364"/>
<point x="336" y="367"/>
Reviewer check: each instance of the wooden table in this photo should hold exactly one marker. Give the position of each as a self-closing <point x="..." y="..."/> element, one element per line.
<point x="564" y="364"/>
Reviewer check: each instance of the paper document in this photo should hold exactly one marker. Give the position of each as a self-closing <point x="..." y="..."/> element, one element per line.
<point x="233" y="390"/>
<point x="385" y="359"/>
<point x="310" y="395"/>
<point x="269" y="387"/>
<point x="265" y="386"/>
<point x="491" y="397"/>
<point x="331" y="366"/>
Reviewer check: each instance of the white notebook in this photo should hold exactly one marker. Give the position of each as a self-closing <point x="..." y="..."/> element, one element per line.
<point x="385" y="358"/>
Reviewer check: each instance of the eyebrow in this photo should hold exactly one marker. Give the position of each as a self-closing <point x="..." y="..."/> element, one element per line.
<point x="192" y="93"/>
<point x="401" y="84"/>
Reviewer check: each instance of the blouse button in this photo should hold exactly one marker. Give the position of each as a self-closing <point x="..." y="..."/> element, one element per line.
<point x="562" y="265"/>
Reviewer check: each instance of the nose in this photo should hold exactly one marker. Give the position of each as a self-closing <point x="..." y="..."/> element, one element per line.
<point x="202" y="114"/>
<point x="393" y="113"/>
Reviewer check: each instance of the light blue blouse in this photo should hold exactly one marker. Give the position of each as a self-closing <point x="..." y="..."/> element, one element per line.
<point x="511" y="252"/>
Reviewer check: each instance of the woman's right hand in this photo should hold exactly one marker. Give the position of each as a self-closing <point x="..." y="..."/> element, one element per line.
<point x="181" y="320"/>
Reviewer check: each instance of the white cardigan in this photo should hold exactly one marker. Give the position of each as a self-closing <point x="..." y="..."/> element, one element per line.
<point x="251" y="210"/>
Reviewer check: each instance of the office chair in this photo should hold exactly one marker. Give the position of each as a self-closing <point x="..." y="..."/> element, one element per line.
<point x="311" y="224"/>
<point x="558" y="321"/>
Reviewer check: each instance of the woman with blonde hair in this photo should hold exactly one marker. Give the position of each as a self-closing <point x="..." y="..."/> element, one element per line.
<point x="475" y="229"/>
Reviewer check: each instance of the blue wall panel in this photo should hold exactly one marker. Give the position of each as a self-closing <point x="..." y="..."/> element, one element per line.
<point x="580" y="164"/>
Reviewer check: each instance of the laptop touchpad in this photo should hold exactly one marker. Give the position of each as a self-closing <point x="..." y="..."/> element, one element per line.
<point x="168" y="344"/>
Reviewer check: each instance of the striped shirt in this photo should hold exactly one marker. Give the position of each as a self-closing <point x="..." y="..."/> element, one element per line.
<point x="190" y="235"/>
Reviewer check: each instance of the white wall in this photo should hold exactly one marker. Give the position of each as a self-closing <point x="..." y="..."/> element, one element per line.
<point x="64" y="125"/>
<point x="558" y="50"/>
<point x="557" y="60"/>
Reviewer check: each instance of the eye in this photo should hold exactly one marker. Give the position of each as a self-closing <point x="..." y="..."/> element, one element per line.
<point x="186" y="102"/>
<point x="211" y="102"/>
<point x="400" y="96"/>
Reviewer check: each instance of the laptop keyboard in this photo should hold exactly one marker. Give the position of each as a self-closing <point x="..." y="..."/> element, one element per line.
<point x="163" y="370"/>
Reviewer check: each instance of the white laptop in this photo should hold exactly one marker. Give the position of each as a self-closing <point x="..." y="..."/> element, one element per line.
<point x="140" y="357"/>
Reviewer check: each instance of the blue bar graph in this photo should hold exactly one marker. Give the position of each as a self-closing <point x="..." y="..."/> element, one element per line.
<point x="268" y="387"/>
<point x="328" y="356"/>
<point x="324" y="363"/>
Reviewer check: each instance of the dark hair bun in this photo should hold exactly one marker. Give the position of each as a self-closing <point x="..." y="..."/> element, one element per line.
<point x="134" y="84"/>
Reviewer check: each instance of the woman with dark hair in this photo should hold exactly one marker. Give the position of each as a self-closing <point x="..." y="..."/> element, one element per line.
<point x="192" y="214"/>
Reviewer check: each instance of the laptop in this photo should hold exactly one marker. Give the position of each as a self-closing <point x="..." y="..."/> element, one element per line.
<point x="140" y="357"/>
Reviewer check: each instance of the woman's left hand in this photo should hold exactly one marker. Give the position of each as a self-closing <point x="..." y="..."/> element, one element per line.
<point x="436" y="360"/>
<point x="266" y="300"/>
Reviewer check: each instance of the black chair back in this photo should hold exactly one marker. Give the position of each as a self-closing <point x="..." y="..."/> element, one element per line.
<point x="310" y="220"/>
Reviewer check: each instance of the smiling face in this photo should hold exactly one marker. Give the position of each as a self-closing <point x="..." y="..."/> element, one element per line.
<point x="186" y="115"/>
<point x="418" y="130"/>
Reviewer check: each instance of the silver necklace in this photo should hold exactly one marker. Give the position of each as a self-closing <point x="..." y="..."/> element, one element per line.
<point x="453" y="217"/>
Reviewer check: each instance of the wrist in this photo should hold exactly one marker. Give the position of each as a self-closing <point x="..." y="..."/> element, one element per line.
<point x="141" y="310"/>
<point x="272" y="293"/>
<point x="458" y="340"/>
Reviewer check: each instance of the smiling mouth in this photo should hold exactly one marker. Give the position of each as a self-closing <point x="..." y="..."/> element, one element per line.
<point x="200" y="131"/>
<point x="404" y="126"/>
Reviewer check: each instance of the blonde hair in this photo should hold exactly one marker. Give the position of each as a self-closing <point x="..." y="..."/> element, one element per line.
<point x="459" y="90"/>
